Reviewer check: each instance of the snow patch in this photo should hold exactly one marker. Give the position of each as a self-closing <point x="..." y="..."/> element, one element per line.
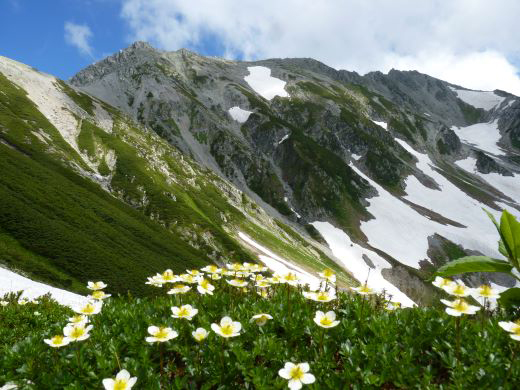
<point x="508" y="185"/>
<point x="479" y="99"/>
<point x="278" y="264"/>
<point x="356" y="156"/>
<point x="351" y="255"/>
<point x="264" y="84"/>
<point x="239" y="114"/>
<point x="384" y="125"/>
<point x="396" y="223"/>
<point x="484" y="136"/>
<point x="284" y="138"/>
<point x="13" y="282"/>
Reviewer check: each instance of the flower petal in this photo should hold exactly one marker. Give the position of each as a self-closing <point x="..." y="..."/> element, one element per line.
<point x="308" y="378"/>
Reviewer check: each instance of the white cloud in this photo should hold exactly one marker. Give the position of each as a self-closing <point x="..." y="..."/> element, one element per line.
<point x="468" y="42"/>
<point x="78" y="35"/>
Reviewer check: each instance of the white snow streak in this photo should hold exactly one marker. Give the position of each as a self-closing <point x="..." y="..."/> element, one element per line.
<point x="484" y="136"/>
<point x="13" y="282"/>
<point x="239" y="114"/>
<point x="479" y="99"/>
<point x="351" y="255"/>
<point x="384" y="125"/>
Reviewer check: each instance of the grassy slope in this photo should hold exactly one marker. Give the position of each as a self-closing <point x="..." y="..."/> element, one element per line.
<point x="63" y="229"/>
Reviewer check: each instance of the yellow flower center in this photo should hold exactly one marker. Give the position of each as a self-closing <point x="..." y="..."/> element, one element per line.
<point x="328" y="273"/>
<point x="325" y="321"/>
<point x="445" y="282"/>
<point x="76" y="319"/>
<point x="120" y="384"/>
<point x="166" y="276"/>
<point x="184" y="312"/>
<point x="212" y="268"/>
<point x="322" y="296"/>
<point x="296" y="373"/>
<point x="364" y="288"/>
<point x="227" y="329"/>
<point x="88" y="309"/>
<point x="290" y="277"/>
<point x="77" y="332"/>
<point x="57" y="340"/>
<point x="204" y="284"/>
<point x="162" y="333"/>
<point x="98" y="294"/>
<point x="460" y="305"/>
<point x="459" y="290"/>
<point x="485" y="290"/>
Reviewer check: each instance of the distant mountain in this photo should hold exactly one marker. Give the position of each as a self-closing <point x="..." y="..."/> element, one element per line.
<point x="382" y="175"/>
<point x="87" y="194"/>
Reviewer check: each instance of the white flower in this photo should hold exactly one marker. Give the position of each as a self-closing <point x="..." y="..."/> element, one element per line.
<point x="297" y="375"/>
<point x="96" y="285"/>
<point x="442" y="282"/>
<point x="237" y="282"/>
<point x="390" y="305"/>
<point x="511" y="327"/>
<point x="261" y="319"/>
<point x="156" y="281"/>
<point x="290" y="278"/>
<point x="215" y="276"/>
<point x="160" y="334"/>
<point x="205" y="287"/>
<point x="179" y="289"/>
<point x="188" y="278"/>
<point x="37" y="313"/>
<point x="364" y="290"/>
<point x="458" y="307"/>
<point x="185" y="311"/>
<point x="328" y="275"/>
<point x="4" y="303"/>
<point x="200" y="334"/>
<point x="23" y="301"/>
<point x="262" y="284"/>
<point x="58" y="341"/>
<point x="263" y="293"/>
<point x="211" y="269"/>
<point x="227" y="327"/>
<point x="326" y="320"/>
<point x="78" y="319"/>
<point x="486" y="291"/>
<point x="320" y="296"/>
<point x="193" y="272"/>
<point x="235" y="267"/>
<point x="77" y="332"/>
<point x="91" y="308"/>
<point x="458" y="289"/>
<point x="122" y="381"/>
<point x="98" y="295"/>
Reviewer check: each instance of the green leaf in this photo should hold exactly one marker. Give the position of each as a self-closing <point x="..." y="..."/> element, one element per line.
<point x="473" y="264"/>
<point x="502" y="248"/>
<point x="510" y="232"/>
<point x="510" y="298"/>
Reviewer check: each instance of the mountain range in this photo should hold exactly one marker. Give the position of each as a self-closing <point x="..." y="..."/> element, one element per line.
<point x="150" y="159"/>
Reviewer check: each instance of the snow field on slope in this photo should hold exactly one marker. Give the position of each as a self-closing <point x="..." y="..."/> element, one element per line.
<point x="279" y="265"/>
<point x="239" y="114"/>
<point x="13" y="282"/>
<point x="479" y="99"/>
<point x="351" y="255"/>
<point x="264" y="84"/>
<point x="484" y="136"/>
<point x="508" y="185"/>
<point x="403" y="233"/>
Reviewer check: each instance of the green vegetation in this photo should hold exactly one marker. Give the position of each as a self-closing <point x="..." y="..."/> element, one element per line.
<point x="369" y="348"/>
<point x="81" y="99"/>
<point x="471" y="114"/>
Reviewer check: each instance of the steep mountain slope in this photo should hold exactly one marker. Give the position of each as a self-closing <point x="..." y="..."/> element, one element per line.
<point x="89" y="194"/>
<point x="391" y="171"/>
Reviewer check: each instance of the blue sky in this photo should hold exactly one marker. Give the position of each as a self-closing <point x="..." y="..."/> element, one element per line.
<point x="32" y="32"/>
<point x="472" y="43"/>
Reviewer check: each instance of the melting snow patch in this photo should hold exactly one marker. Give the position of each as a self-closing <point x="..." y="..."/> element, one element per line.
<point x="479" y="99"/>
<point x="403" y="233"/>
<point x="279" y="265"/>
<point x="351" y="255"/>
<point x="484" y="136"/>
<point x="268" y="87"/>
<point x="384" y="125"/>
<point x="239" y="114"/>
<point x="12" y="282"/>
<point x="283" y="138"/>
<point x="508" y="185"/>
<point x="356" y="156"/>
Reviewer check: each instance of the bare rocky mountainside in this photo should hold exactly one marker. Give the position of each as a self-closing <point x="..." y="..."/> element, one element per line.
<point x="381" y="176"/>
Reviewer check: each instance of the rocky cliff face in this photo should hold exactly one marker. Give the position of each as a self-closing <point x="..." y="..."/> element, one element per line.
<point x="389" y="160"/>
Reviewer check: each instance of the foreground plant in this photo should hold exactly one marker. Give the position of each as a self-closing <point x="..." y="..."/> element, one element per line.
<point x="58" y="341"/>
<point x="160" y="334"/>
<point x="326" y="320"/>
<point x="511" y="327"/>
<point x="261" y="319"/>
<point x="186" y="311"/>
<point x="123" y="381"/>
<point x="227" y="328"/>
<point x="297" y="375"/>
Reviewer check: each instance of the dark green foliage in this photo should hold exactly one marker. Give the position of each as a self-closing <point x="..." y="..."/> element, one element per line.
<point x="370" y="348"/>
<point x="471" y="114"/>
